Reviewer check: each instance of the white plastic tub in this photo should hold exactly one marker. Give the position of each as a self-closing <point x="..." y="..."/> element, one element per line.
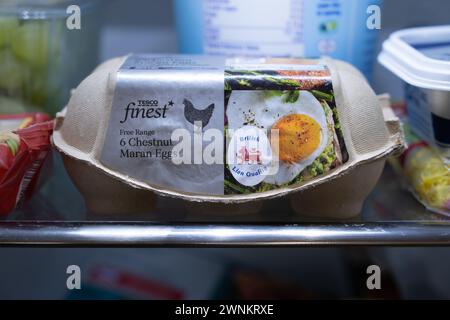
<point x="421" y="58"/>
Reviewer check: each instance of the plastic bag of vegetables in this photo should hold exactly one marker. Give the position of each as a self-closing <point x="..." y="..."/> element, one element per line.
<point x="24" y="145"/>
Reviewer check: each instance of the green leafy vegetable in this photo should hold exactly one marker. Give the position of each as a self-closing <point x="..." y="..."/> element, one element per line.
<point x="291" y="96"/>
<point x="7" y="28"/>
<point x="235" y="187"/>
<point x="273" y="93"/>
<point x="322" y="95"/>
<point x="13" y="146"/>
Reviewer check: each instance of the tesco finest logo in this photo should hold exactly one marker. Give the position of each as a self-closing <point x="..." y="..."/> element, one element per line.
<point x="249" y="155"/>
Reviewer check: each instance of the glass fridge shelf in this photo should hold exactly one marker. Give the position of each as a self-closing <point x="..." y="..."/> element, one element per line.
<point x="391" y="217"/>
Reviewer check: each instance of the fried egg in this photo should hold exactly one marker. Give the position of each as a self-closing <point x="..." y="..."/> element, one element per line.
<point x="301" y="128"/>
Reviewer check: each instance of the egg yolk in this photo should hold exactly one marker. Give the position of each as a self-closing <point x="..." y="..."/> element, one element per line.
<point x="298" y="137"/>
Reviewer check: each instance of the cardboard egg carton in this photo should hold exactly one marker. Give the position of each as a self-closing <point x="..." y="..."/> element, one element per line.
<point x="370" y="130"/>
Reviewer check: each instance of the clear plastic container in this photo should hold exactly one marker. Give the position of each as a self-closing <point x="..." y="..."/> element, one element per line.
<point x="40" y="58"/>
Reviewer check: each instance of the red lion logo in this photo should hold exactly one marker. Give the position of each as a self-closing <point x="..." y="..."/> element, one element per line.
<point x="249" y="157"/>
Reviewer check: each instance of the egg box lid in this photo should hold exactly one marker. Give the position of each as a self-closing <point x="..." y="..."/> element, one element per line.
<point x="206" y="129"/>
<point x="419" y="56"/>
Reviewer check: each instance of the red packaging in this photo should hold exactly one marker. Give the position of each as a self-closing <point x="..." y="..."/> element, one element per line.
<point x="24" y="145"/>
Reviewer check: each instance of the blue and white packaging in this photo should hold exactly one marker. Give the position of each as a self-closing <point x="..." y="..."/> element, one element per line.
<point x="280" y="28"/>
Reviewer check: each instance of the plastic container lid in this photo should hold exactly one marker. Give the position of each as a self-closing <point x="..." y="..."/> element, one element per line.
<point x="419" y="56"/>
